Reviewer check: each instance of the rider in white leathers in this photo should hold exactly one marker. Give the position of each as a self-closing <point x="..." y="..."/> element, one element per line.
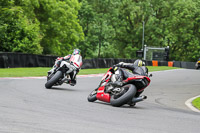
<point x="74" y="64"/>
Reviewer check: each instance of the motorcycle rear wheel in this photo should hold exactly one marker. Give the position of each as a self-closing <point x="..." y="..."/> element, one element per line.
<point x="53" y="80"/>
<point x="92" y="96"/>
<point x="125" y="96"/>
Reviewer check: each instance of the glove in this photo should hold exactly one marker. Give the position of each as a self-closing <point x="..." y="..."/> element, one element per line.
<point x="121" y="64"/>
<point x="59" y="58"/>
<point x="114" y="66"/>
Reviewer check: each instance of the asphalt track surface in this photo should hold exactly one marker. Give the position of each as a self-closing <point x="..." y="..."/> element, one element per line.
<point x="27" y="107"/>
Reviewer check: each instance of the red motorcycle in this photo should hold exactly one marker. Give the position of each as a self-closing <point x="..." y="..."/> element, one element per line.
<point x="128" y="93"/>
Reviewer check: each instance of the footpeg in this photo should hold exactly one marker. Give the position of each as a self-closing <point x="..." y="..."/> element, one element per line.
<point x="144" y="97"/>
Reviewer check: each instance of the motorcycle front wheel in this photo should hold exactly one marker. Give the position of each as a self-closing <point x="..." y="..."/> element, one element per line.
<point x="92" y="96"/>
<point x="127" y="93"/>
<point x="53" y="80"/>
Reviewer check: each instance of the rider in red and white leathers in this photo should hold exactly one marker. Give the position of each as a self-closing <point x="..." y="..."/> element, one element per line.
<point x="72" y="72"/>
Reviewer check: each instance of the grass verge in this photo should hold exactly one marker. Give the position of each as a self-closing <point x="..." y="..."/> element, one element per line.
<point x="42" y="71"/>
<point x="196" y="103"/>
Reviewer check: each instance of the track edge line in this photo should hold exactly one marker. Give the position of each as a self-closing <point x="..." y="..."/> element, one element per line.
<point x="188" y="103"/>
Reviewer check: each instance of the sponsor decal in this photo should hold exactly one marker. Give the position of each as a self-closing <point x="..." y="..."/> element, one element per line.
<point x="100" y="91"/>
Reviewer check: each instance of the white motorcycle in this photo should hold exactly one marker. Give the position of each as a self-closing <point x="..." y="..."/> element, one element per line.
<point x="60" y="75"/>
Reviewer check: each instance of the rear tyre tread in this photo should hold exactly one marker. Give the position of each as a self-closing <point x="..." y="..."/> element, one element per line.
<point x="53" y="80"/>
<point x="92" y="98"/>
<point x="125" y="98"/>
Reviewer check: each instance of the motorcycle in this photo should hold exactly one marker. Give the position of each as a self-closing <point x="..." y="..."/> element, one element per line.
<point x="197" y="65"/>
<point x="60" y="75"/>
<point x="128" y="93"/>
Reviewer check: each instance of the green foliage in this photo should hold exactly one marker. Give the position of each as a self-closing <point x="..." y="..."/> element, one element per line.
<point x="115" y="26"/>
<point x="94" y="19"/>
<point x="39" y="26"/>
<point x="17" y="32"/>
<point x="180" y="32"/>
<point x="100" y="28"/>
<point x="59" y="24"/>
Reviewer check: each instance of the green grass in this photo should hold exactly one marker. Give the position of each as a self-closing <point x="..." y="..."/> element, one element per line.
<point x="24" y="72"/>
<point x="160" y="68"/>
<point x="196" y="103"/>
<point x="42" y="71"/>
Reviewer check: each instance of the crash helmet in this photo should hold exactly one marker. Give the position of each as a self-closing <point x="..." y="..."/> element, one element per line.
<point x="139" y="63"/>
<point x="76" y="51"/>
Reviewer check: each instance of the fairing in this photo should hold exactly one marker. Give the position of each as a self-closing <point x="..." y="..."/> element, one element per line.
<point x="102" y="96"/>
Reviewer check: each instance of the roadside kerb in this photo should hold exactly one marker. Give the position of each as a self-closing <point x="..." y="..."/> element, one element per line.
<point x="188" y="103"/>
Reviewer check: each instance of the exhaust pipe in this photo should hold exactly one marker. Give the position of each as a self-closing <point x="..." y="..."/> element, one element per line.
<point x="138" y="99"/>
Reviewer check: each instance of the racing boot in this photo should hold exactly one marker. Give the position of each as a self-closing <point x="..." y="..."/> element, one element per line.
<point x="73" y="78"/>
<point x="72" y="82"/>
<point x="48" y="73"/>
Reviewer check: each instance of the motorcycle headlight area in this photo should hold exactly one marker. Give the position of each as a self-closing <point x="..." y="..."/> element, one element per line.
<point x="115" y="77"/>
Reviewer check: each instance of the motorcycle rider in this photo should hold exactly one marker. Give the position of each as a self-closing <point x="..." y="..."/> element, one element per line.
<point x="67" y="58"/>
<point x="138" y="68"/>
<point x="197" y="65"/>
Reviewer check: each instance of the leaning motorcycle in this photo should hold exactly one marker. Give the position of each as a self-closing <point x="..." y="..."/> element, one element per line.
<point x="197" y="65"/>
<point x="60" y="75"/>
<point x="128" y="93"/>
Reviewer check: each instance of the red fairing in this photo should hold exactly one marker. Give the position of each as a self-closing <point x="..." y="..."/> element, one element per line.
<point x="137" y="77"/>
<point x="148" y="79"/>
<point x="107" y="76"/>
<point x="103" y="96"/>
<point x="107" y="71"/>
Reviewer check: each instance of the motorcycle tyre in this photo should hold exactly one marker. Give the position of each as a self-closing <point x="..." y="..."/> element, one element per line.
<point x="93" y="97"/>
<point x="53" y="80"/>
<point x="125" y="98"/>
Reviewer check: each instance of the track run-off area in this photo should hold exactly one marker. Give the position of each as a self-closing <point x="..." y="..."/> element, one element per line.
<point x="26" y="106"/>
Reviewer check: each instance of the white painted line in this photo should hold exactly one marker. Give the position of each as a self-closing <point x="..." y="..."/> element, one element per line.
<point x="189" y="104"/>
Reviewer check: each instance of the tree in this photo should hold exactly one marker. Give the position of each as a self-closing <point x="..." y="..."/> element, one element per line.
<point x="17" y="32"/>
<point x="180" y="32"/>
<point x="95" y="22"/>
<point x="115" y="27"/>
<point x="59" y="24"/>
<point x="28" y="26"/>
